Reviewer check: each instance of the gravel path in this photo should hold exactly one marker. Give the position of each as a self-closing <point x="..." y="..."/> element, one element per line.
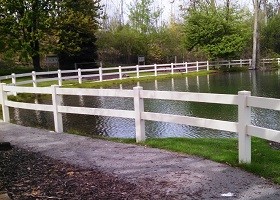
<point x="172" y="175"/>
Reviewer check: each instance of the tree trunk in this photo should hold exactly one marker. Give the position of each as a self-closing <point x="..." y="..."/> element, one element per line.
<point x="36" y="56"/>
<point x="228" y="9"/>
<point x="255" y="56"/>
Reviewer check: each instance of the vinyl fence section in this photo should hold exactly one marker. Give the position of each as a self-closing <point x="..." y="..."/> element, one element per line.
<point x="113" y="73"/>
<point x="243" y="100"/>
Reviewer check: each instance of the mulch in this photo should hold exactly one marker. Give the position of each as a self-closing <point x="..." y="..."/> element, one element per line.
<point x="27" y="175"/>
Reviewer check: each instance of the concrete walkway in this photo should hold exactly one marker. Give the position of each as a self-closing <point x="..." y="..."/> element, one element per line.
<point x="184" y="177"/>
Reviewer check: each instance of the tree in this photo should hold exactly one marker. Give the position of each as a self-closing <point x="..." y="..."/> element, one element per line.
<point x="271" y="35"/>
<point x="142" y="18"/>
<point x="219" y="32"/>
<point x="256" y="45"/>
<point x="31" y="28"/>
<point x="23" y="25"/>
<point x="75" y="29"/>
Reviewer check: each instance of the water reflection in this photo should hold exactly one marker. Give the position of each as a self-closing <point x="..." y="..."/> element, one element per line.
<point x="265" y="84"/>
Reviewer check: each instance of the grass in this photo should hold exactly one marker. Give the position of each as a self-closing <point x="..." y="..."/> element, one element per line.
<point x="265" y="159"/>
<point x="108" y="83"/>
<point x="7" y="81"/>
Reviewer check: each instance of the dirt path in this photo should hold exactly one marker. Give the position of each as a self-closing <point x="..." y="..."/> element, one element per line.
<point x="169" y="174"/>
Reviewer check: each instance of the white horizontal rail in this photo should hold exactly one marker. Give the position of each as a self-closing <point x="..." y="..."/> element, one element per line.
<point x="189" y="96"/>
<point x="97" y="111"/>
<point x="23" y="75"/>
<point x="262" y="102"/>
<point x="46" y="73"/>
<point x="90" y="75"/>
<point x="111" y="68"/>
<point x="18" y="89"/>
<point x="29" y="106"/>
<point x="191" y="121"/>
<point x="89" y="70"/>
<point x="268" y="134"/>
<point x="95" y="92"/>
<point x="5" y="77"/>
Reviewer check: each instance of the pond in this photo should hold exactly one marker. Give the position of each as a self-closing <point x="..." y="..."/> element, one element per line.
<point x="266" y="84"/>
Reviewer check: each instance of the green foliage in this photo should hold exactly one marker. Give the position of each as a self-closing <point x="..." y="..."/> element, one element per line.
<point x="141" y="16"/>
<point x="31" y="28"/>
<point x="271" y="34"/>
<point x="22" y="25"/>
<point x="123" y="44"/>
<point x="220" y="33"/>
<point x="76" y="32"/>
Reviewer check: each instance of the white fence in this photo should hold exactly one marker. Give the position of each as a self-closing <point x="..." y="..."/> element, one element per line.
<point x="100" y="74"/>
<point x="243" y="100"/>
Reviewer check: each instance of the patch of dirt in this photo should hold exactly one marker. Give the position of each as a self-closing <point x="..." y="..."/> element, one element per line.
<point x="26" y="175"/>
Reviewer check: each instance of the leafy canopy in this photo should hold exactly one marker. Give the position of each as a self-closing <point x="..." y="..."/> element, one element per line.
<point x="31" y="28"/>
<point x="271" y="35"/>
<point x="219" y="33"/>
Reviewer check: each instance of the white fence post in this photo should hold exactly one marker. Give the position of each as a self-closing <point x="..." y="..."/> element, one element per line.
<point x="278" y="61"/>
<point x="197" y="66"/>
<point x="241" y="62"/>
<point x="80" y="76"/>
<point x="207" y="65"/>
<point x="120" y="72"/>
<point x="5" y="109"/>
<point x="138" y="109"/>
<point x="100" y="74"/>
<point x="172" y="68"/>
<point x="186" y="66"/>
<point x="155" y="68"/>
<point x="34" y="79"/>
<point x="244" y="119"/>
<point x="14" y="82"/>
<point x="137" y="71"/>
<point x="250" y="62"/>
<point x="56" y="101"/>
<point x="59" y="76"/>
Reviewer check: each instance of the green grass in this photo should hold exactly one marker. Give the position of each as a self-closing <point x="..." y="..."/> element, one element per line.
<point x="1" y="113"/>
<point x="7" y="81"/>
<point x="265" y="159"/>
<point x="108" y="83"/>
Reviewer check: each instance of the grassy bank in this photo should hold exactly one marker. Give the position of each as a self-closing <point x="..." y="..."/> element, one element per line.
<point x="133" y="79"/>
<point x="265" y="159"/>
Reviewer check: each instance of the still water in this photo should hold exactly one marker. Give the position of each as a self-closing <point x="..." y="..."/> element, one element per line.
<point x="266" y="84"/>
